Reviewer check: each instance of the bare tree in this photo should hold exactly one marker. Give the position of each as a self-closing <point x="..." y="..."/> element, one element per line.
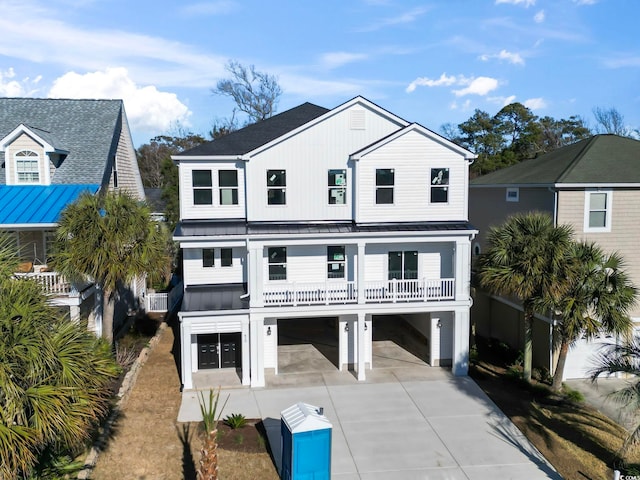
<point x="255" y="93"/>
<point x="610" y="120"/>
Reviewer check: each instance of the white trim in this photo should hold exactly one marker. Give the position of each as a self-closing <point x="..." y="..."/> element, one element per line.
<point x="608" y="209"/>
<point x="22" y="128"/>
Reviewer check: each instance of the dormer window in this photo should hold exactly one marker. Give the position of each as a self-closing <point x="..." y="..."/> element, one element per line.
<point x="27" y="167"/>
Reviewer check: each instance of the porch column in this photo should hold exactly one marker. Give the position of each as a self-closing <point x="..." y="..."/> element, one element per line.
<point x="256" y="327"/>
<point x="74" y="313"/>
<point x="361" y="346"/>
<point x="460" y="366"/>
<point x="185" y="353"/>
<point x="254" y="271"/>
<point x="462" y="255"/>
<point x="246" y="352"/>
<point x="360" y="284"/>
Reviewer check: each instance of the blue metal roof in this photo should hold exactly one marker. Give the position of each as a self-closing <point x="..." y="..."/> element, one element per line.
<point x="37" y="204"/>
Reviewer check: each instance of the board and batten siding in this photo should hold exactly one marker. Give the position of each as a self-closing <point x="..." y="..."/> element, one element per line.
<point x="25" y="142"/>
<point x="412" y="156"/>
<point x="488" y="207"/>
<point x="190" y="211"/>
<point x="196" y="274"/>
<point x="625" y="227"/>
<point x="307" y="157"/>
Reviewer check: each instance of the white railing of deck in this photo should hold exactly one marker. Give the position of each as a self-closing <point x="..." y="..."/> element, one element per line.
<point x="347" y="292"/>
<point x="52" y="282"/>
<point x="157" y="302"/>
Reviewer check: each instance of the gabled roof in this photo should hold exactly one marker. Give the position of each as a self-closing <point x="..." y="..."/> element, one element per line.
<point x="87" y="129"/>
<point x="601" y="159"/>
<point x="255" y="135"/>
<point x="36" y="204"/>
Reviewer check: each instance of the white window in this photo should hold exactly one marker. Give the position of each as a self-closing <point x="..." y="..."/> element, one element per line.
<point x="27" y="167"/>
<point x="207" y="257"/>
<point x="276" y="187"/>
<point x="228" y="183"/>
<point x="336" y="261"/>
<point x="439" y="185"/>
<point x="202" y="187"/>
<point x="385" y="180"/>
<point x="513" y="194"/>
<point x="277" y="263"/>
<point x="115" y="171"/>
<point x="337" y="187"/>
<point x="597" y="210"/>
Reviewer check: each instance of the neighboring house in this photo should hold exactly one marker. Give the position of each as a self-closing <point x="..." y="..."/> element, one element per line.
<point x="592" y="185"/>
<point x="348" y="213"/>
<point x="51" y="151"/>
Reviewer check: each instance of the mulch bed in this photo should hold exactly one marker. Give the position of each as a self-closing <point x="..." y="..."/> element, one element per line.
<point x="250" y="438"/>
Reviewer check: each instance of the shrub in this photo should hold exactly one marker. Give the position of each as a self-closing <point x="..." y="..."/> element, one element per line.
<point x="572" y="395"/>
<point x="235" y="420"/>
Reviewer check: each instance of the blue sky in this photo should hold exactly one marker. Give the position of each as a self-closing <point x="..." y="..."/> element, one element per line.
<point x="431" y="62"/>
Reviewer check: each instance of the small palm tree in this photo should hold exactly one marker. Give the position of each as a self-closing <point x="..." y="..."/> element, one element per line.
<point x="527" y="257"/>
<point x="109" y="239"/>
<point x="208" y="469"/>
<point x="598" y="300"/>
<point x="623" y="359"/>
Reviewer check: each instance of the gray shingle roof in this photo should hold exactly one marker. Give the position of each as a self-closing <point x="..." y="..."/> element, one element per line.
<point x="605" y="159"/>
<point x="255" y="135"/>
<point x="88" y="129"/>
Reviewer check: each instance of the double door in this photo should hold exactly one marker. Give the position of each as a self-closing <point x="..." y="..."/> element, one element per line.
<point x="219" y="350"/>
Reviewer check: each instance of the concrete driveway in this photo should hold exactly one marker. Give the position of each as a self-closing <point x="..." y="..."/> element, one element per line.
<point x="420" y="423"/>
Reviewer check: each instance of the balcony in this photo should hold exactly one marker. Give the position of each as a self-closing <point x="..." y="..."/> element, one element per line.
<point x="53" y="283"/>
<point x="331" y="293"/>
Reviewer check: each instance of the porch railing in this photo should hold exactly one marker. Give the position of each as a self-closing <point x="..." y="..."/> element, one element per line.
<point x="52" y="282"/>
<point x="419" y="290"/>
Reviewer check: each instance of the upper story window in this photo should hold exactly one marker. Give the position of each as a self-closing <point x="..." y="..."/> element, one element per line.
<point x="207" y="257"/>
<point x="226" y="257"/>
<point x="336" y="261"/>
<point x="228" y="183"/>
<point x="597" y="210"/>
<point x="202" y="187"/>
<point x="439" y="185"/>
<point x="27" y="167"/>
<point x="337" y="187"/>
<point x="276" y="187"/>
<point x="277" y="263"/>
<point x="385" y="179"/>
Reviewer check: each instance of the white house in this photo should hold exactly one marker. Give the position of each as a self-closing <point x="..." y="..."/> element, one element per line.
<point x="348" y="213"/>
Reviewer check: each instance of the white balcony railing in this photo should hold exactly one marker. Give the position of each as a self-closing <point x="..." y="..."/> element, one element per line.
<point x="52" y="283"/>
<point x="420" y="290"/>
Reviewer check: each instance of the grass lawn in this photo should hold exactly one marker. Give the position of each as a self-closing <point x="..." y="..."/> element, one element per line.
<point x="580" y="442"/>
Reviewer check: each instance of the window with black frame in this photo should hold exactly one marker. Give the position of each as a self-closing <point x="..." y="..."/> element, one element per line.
<point x="439" y="185"/>
<point x="336" y="261"/>
<point x="228" y="184"/>
<point x="276" y="187"/>
<point x="277" y="263"/>
<point x="385" y="182"/>
<point x="202" y="187"/>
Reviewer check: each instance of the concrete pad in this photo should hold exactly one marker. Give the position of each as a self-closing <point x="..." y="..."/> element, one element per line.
<point x="368" y="402"/>
<point x="389" y="444"/>
<point x="516" y="472"/>
<point x="273" y="402"/>
<point x="446" y="473"/>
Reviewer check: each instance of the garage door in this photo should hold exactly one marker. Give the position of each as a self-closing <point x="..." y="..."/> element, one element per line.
<point x="583" y="355"/>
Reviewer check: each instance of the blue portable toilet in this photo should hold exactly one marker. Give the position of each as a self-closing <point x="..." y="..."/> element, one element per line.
<point x="306" y="443"/>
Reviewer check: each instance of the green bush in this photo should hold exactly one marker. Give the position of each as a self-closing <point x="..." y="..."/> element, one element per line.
<point x="235" y="420"/>
<point x="572" y="395"/>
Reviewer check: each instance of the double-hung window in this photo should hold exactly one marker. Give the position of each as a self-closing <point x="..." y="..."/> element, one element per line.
<point x="277" y="263"/>
<point x="228" y="183"/>
<point x="276" y="187"/>
<point x="336" y="261"/>
<point x="337" y="183"/>
<point x="385" y="180"/>
<point x="439" y="185"/>
<point x="207" y="257"/>
<point x="27" y="166"/>
<point x="597" y="212"/>
<point x="202" y="187"/>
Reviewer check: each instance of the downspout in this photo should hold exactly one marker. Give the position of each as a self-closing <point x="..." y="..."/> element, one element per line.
<point x="555" y="205"/>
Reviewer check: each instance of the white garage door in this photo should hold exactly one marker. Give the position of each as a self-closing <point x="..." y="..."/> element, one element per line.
<point x="583" y="355"/>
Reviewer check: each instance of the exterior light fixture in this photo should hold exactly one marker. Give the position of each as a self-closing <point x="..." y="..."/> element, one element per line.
<point x="268" y="331"/>
<point x="439" y="324"/>
<point x="346" y="327"/>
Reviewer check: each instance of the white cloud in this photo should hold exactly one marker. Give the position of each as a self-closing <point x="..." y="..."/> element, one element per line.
<point x="539" y="17"/>
<point x="220" y="7"/>
<point x="502" y="101"/>
<point x="148" y="109"/>
<point x="427" y="82"/>
<point x="510" y="57"/>
<point x="10" y="87"/>
<point x="524" y="3"/>
<point x="466" y="105"/>
<point x="338" y="59"/>
<point x="477" y="86"/>
<point x="404" y="18"/>
<point x="585" y="2"/>
<point x="535" y="103"/>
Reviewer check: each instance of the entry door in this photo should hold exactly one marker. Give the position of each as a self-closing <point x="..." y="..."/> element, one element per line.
<point x="208" y="352"/>
<point x="230" y="349"/>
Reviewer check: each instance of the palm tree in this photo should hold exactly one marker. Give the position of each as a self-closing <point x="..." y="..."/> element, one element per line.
<point x="55" y="377"/>
<point x="208" y="467"/>
<point x="109" y="239"/>
<point x="623" y="359"/>
<point x="527" y="258"/>
<point x="598" y="300"/>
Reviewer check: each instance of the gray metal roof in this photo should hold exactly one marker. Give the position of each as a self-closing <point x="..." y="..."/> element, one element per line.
<point x="257" y="134"/>
<point x="204" y="298"/>
<point x="196" y="228"/>
<point x="88" y="129"/>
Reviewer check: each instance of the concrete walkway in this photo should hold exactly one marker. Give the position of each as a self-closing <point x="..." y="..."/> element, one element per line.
<point x="416" y="423"/>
